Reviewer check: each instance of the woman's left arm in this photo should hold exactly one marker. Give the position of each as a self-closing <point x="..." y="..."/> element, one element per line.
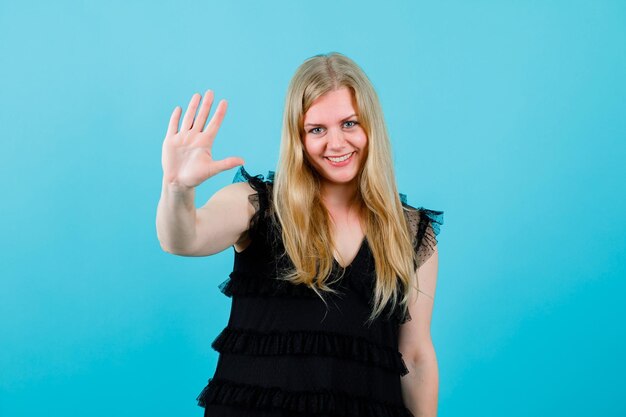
<point x="420" y="387"/>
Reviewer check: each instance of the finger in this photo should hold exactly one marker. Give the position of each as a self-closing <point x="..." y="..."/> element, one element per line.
<point x="172" y="128"/>
<point x="203" y="113"/>
<point x="218" y="116"/>
<point x="191" y="112"/>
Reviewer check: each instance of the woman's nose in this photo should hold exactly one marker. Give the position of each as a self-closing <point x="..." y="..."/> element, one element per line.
<point x="336" y="139"/>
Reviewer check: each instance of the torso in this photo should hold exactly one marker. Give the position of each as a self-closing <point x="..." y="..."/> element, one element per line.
<point x="348" y="236"/>
<point x="348" y="239"/>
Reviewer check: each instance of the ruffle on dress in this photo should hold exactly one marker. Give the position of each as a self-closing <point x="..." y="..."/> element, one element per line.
<point x="317" y="343"/>
<point x="428" y="227"/>
<point x="244" y="283"/>
<point x="254" y="284"/>
<point x="425" y="225"/>
<point x="305" y="403"/>
<point x="242" y="175"/>
<point x="260" y="200"/>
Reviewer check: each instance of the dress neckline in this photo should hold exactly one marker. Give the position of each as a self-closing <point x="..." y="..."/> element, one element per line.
<point x="356" y="257"/>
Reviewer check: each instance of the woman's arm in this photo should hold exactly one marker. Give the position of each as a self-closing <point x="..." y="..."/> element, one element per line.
<point x="187" y="162"/>
<point x="219" y="224"/>
<point x="420" y="387"/>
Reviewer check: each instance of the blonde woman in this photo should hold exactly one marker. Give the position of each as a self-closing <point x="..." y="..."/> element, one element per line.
<point x="334" y="272"/>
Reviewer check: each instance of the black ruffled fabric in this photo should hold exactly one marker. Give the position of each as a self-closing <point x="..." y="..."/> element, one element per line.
<point x="243" y="283"/>
<point x="248" y="284"/>
<point x="250" y="342"/>
<point x="260" y="200"/>
<point x="427" y="231"/>
<point x="425" y="226"/>
<point x="307" y="403"/>
<point x="365" y="288"/>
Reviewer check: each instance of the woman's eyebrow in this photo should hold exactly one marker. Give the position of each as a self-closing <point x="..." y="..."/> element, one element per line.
<point x="319" y="124"/>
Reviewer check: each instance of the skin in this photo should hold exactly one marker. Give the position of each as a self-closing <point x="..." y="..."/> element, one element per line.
<point x="187" y="160"/>
<point x="332" y="129"/>
<point x="187" y="156"/>
<point x="420" y="387"/>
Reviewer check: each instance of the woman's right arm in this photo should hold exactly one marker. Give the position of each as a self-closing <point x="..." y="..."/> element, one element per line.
<point x="187" y="162"/>
<point x="219" y="224"/>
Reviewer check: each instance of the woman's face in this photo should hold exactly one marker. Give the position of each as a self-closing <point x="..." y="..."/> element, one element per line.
<point x="332" y="130"/>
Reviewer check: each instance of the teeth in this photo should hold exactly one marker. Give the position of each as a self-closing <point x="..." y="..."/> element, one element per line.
<point x="343" y="158"/>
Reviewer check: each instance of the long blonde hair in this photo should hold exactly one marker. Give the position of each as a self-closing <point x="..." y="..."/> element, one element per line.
<point x="296" y="192"/>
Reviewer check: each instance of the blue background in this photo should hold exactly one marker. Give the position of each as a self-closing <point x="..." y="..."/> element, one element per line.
<point x="507" y="115"/>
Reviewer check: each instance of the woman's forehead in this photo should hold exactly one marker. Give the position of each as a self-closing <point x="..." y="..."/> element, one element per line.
<point x="335" y="105"/>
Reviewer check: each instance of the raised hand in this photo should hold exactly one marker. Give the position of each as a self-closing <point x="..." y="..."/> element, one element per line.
<point x="186" y="156"/>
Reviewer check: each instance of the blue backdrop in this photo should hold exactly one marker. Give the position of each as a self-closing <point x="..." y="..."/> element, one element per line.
<point x="507" y="115"/>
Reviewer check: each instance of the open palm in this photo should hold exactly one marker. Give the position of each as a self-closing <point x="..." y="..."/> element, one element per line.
<point x="186" y="156"/>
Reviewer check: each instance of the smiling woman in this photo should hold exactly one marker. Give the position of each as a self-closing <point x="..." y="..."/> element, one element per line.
<point x="325" y="317"/>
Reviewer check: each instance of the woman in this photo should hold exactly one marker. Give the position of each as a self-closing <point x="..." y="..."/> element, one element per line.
<point x="325" y="317"/>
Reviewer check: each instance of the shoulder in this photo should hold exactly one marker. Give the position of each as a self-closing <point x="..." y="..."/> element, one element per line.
<point x="234" y="193"/>
<point x="238" y="188"/>
<point x="238" y="199"/>
<point x="425" y="227"/>
<point x="430" y="220"/>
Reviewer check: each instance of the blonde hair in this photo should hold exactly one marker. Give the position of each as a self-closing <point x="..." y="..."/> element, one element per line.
<point x="296" y="192"/>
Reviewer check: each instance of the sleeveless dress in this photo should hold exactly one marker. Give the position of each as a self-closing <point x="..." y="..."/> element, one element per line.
<point x="284" y="352"/>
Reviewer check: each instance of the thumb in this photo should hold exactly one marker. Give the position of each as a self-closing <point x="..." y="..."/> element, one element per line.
<point x="228" y="163"/>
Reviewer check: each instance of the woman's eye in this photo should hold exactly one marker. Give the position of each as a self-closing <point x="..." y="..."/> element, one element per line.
<point x="316" y="130"/>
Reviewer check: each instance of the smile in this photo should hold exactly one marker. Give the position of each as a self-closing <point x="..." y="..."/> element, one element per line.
<point x="341" y="158"/>
<point x="341" y="161"/>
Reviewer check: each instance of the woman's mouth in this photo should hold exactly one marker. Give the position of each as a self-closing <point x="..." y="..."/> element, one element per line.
<point x="340" y="161"/>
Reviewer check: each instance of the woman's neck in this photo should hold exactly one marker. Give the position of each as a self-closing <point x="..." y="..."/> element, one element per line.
<point x="339" y="198"/>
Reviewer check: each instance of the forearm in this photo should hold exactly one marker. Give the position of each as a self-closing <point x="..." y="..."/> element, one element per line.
<point x="420" y="387"/>
<point x="176" y="217"/>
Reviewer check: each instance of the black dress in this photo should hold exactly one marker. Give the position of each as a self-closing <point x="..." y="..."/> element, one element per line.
<point x="286" y="353"/>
